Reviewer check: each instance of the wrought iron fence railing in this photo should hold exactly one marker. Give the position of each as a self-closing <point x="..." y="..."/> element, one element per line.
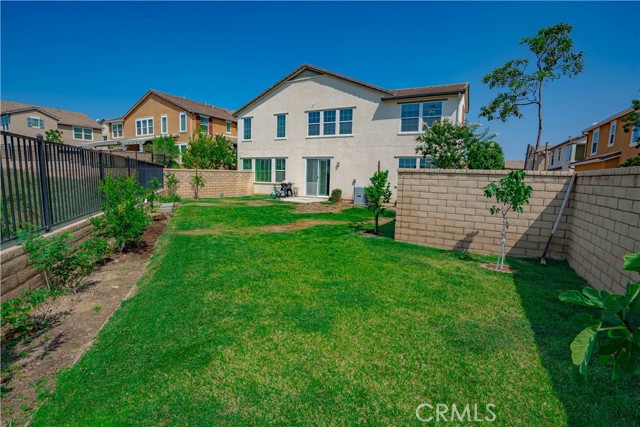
<point x="47" y="184"/>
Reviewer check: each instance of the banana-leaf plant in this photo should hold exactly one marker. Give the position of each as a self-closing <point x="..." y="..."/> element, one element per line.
<point x="614" y="335"/>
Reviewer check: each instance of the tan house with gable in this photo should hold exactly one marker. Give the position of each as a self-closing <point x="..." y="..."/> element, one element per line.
<point x="322" y="130"/>
<point x="158" y="114"/>
<point x="31" y="120"/>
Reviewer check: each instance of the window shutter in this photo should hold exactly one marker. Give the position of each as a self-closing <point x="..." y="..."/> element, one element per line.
<point x="41" y="123"/>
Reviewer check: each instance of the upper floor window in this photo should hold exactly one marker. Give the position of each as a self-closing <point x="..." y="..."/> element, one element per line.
<point x="346" y="121"/>
<point x="164" y="124"/>
<point x="314" y="123"/>
<point x="431" y="112"/>
<point x="144" y="127"/>
<point x="569" y="150"/>
<point x="228" y="127"/>
<point x="635" y="136"/>
<point x="204" y="124"/>
<point x="35" y="122"/>
<point x="410" y="118"/>
<point x="183" y="122"/>
<point x="334" y="122"/>
<point x="594" y="142"/>
<point x="281" y="126"/>
<point x="553" y="156"/>
<point x="5" y="122"/>
<point x="83" y="134"/>
<point x="612" y="134"/>
<point x="116" y="130"/>
<point x="247" y="128"/>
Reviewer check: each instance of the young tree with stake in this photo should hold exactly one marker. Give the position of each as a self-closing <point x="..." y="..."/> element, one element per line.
<point x="512" y="194"/>
<point x="554" y="58"/>
<point x="377" y="193"/>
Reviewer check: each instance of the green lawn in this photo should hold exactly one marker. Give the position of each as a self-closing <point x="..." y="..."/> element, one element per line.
<point x="239" y="325"/>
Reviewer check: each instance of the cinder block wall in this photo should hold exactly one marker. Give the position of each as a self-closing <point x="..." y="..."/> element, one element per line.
<point x="218" y="183"/>
<point x="447" y="209"/>
<point x="17" y="273"/>
<point x="605" y="225"/>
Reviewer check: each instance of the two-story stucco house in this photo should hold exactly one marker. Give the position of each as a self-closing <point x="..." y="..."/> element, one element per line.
<point x="322" y="130"/>
<point x="608" y="145"/>
<point x="565" y="154"/>
<point x="159" y="113"/>
<point x="32" y="120"/>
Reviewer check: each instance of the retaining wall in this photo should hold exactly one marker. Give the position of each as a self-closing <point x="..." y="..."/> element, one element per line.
<point x="447" y="209"/>
<point x="218" y="183"/>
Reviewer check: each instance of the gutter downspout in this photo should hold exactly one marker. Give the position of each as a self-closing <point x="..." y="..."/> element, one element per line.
<point x="543" y="261"/>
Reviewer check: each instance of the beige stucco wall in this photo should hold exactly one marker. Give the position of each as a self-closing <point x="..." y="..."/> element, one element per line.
<point x="18" y="125"/>
<point x="376" y="132"/>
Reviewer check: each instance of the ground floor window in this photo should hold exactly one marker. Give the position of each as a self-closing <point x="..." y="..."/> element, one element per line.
<point x="281" y="170"/>
<point x="263" y="170"/>
<point x="246" y="164"/>
<point x="415" y="162"/>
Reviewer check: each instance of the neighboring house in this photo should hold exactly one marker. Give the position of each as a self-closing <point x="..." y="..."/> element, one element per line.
<point x="158" y="114"/>
<point x="31" y="120"/>
<point x="513" y="164"/>
<point x="608" y="145"/>
<point x="563" y="155"/>
<point x="322" y="130"/>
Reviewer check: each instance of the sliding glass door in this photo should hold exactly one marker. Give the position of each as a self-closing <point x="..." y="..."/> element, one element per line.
<point x="318" y="177"/>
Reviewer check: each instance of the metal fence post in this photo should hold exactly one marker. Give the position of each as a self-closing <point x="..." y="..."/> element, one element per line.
<point x="129" y="166"/>
<point x="44" y="184"/>
<point x="101" y="163"/>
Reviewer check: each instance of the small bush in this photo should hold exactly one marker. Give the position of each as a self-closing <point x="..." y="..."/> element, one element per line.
<point x="336" y="195"/>
<point x="28" y="311"/>
<point x="155" y="185"/>
<point x="124" y="216"/>
<point x="197" y="182"/>
<point x="92" y="252"/>
<point x="54" y="256"/>
<point x="171" y="184"/>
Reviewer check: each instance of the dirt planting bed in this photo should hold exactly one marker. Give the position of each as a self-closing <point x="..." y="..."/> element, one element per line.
<point x="29" y="366"/>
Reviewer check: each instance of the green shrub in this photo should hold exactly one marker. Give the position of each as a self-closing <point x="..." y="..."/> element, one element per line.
<point x="336" y="195"/>
<point x="124" y="216"/>
<point x="92" y="252"/>
<point x="197" y="182"/>
<point x="54" y="256"/>
<point x="617" y="326"/>
<point x="28" y="311"/>
<point x="152" y="196"/>
<point x="171" y="185"/>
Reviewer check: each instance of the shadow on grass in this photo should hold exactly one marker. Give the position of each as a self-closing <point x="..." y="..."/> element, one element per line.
<point x="387" y="230"/>
<point x="603" y="402"/>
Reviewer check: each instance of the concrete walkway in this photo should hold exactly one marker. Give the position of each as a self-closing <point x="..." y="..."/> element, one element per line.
<point x="302" y="199"/>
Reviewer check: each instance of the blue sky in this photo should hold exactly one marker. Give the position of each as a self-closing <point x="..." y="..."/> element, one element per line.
<point x="100" y="58"/>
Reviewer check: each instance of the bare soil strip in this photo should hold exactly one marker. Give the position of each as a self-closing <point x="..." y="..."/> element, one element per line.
<point x="75" y="322"/>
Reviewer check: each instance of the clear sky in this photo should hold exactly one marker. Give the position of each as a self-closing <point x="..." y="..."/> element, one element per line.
<point x="100" y="58"/>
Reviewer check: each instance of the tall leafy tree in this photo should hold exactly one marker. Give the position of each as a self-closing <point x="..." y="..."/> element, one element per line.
<point x="522" y="80"/>
<point x="53" y="135"/>
<point x="208" y="152"/>
<point x="165" y="146"/>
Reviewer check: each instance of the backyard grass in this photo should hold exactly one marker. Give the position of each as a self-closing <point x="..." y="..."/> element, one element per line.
<point x="237" y="323"/>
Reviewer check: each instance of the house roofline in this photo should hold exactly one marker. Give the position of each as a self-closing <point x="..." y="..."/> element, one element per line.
<point x="609" y="119"/>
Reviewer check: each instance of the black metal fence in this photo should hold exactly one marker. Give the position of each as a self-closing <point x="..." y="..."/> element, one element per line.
<point x="47" y="184"/>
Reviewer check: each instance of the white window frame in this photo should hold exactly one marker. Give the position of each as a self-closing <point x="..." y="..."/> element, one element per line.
<point x="200" y="125"/>
<point x="244" y="128"/>
<point x="120" y="134"/>
<point x="421" y="117"/>
<point x="569" y="151"/>
<point x="183" y="115"/>
<point x="164" y="124"/>
<point x="284" y="117"/>
<point x="30" y="120"/>
<point x="321" y="124"/>
<point x="147" y="120"/>
<point x="6" y="122"/>
<point x="594" y="141"/>
<point x="635" y="130"/>
<point x="228" y="128"/>
<point x="276" y="170"/>
<point x="83" y="130"/>
<point x="613" y="128"/>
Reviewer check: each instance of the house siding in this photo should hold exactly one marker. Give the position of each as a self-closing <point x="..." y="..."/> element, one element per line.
<point x="622" y="143"/>
<point x="376" y="131"/>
